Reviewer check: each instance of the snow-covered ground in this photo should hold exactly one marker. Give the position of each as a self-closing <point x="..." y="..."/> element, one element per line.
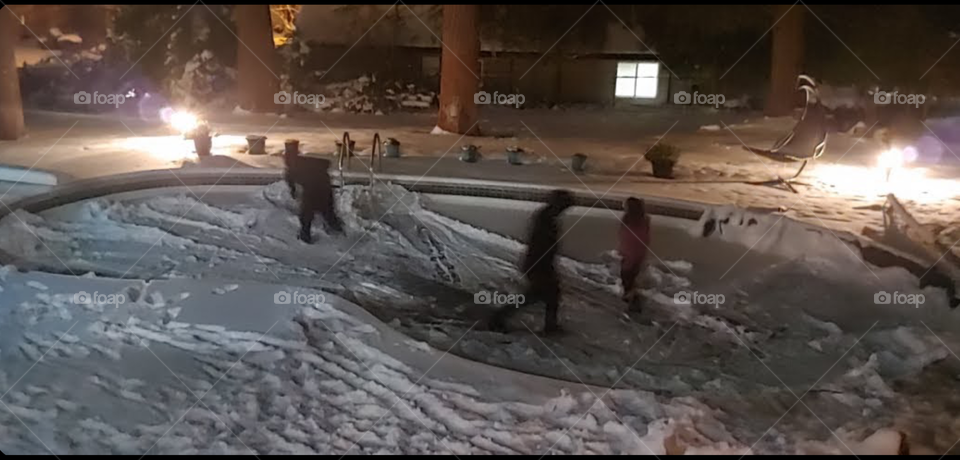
<point x="200" y="320"/>
<point x="843" y="190"/>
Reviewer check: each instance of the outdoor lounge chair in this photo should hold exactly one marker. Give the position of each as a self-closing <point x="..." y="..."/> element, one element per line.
<point x="807" y="140"/>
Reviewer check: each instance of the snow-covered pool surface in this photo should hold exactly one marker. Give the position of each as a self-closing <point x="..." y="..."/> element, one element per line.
<point x="200" y="320"/>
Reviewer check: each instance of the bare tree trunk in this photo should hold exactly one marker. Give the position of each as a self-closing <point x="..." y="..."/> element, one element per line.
<point x="786" y="61"/>
<point x="460" y="69"/>
<point x="256" y="59"/>
<point x="11" y="105"/>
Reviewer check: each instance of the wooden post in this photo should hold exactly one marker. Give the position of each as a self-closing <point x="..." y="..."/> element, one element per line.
<point x="256" y="59"/>
<point x="11" y="104"/>
<point x="460" y="69"/>
<point x="786" y="61"/>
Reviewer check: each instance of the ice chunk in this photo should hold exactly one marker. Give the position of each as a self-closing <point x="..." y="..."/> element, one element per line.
<point x="37" y="285"/>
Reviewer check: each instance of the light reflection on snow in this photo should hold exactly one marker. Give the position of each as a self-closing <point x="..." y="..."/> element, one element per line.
<point x="174" y="148"/>
<point x="910" y="183"/>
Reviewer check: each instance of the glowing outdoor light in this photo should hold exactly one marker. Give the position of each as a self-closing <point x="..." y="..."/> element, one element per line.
<point x="184" y="122"/>
<point x="894" y="172"/>
<point x="890" y="160"/>
<point x="895" y="158"/>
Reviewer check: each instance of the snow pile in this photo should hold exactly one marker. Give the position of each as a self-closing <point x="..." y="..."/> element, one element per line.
<point x="438" y="131"/>
<point x="62" y="37"/>
<point x="203" y="83"/>
<point x="808" y="306"/>
<point x="742" y="102"/>
<point x="368" y="95"/>
<point x="320" y="383"/>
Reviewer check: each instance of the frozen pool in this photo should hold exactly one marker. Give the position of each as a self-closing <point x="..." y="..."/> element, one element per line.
<point x="799" y="312"/>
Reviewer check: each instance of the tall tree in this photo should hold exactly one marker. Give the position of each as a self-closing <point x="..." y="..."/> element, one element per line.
<point x="11" y="104"/>
<point x="786" y="61"/>
<point x="460" y="69"/>
<point x="256" y="59"/>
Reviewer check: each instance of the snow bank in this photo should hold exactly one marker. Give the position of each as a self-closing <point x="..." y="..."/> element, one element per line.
<point x="438" y="130"/>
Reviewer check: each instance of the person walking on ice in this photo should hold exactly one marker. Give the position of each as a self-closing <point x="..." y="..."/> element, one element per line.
<point x="538" y="265"/>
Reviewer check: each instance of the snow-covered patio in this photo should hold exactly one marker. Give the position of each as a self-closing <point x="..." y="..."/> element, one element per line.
<point x="844" y="188"/>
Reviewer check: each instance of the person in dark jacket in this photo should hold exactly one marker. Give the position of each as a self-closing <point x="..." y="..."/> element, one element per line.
<point x="634" y="245"/>
<point x="538" y="263"/>
<point x="316" y="192"/>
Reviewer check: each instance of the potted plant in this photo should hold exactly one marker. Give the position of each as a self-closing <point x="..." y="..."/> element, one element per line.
<point x="291" y="147"/>
<point x="469" y="153"/>
<point x="202" y="139"/>
<point x="663" y="157"/>
<point x="256" y="145"/>
<point x="393" y="147"/>
<point x="514" y="154"/>
<point x="578" y="162"/>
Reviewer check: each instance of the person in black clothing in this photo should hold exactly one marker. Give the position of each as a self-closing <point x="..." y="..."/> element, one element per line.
<point x="538" y="263"/>
<point x="317" y="192"/>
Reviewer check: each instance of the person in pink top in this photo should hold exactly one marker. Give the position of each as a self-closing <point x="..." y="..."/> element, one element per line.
<point x="634" y="245"/>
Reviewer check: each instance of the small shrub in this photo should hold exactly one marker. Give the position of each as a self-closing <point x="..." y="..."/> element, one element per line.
<point x="663" y="153"/>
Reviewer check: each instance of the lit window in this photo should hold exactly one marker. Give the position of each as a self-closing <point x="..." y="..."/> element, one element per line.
<point x="637" y="79"/>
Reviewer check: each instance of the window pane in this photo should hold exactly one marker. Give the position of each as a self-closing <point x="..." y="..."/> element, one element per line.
<point x="646" y="87"/>
<point x="625" y="87"/>
<point x="648" y="69"/>
<point x="626" y="69"/>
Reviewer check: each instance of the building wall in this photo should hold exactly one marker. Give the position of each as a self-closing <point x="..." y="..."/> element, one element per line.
<point x="552" y="79"/>
<point x="422" y="26"/>
<point x="542" y="81"/>
<point x="588" y="81"/>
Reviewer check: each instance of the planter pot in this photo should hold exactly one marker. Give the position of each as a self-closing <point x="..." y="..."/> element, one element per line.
<point x="203" y="144"/>
<point x="513" y="156"/>
<point x="663" y="169"/>
<point x="257" y="145"/>
<point x="291" y="147"/>
<point x="469" y="154"/>
<point x="578" y="162"/>
<point x="393" y="148"/>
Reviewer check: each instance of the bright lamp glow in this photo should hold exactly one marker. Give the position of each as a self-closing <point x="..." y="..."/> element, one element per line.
<point x="891" y="159"/>
<point x="180" y="120"/>
<point x="891" y="175"/>
<point x="184" y="121"/>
